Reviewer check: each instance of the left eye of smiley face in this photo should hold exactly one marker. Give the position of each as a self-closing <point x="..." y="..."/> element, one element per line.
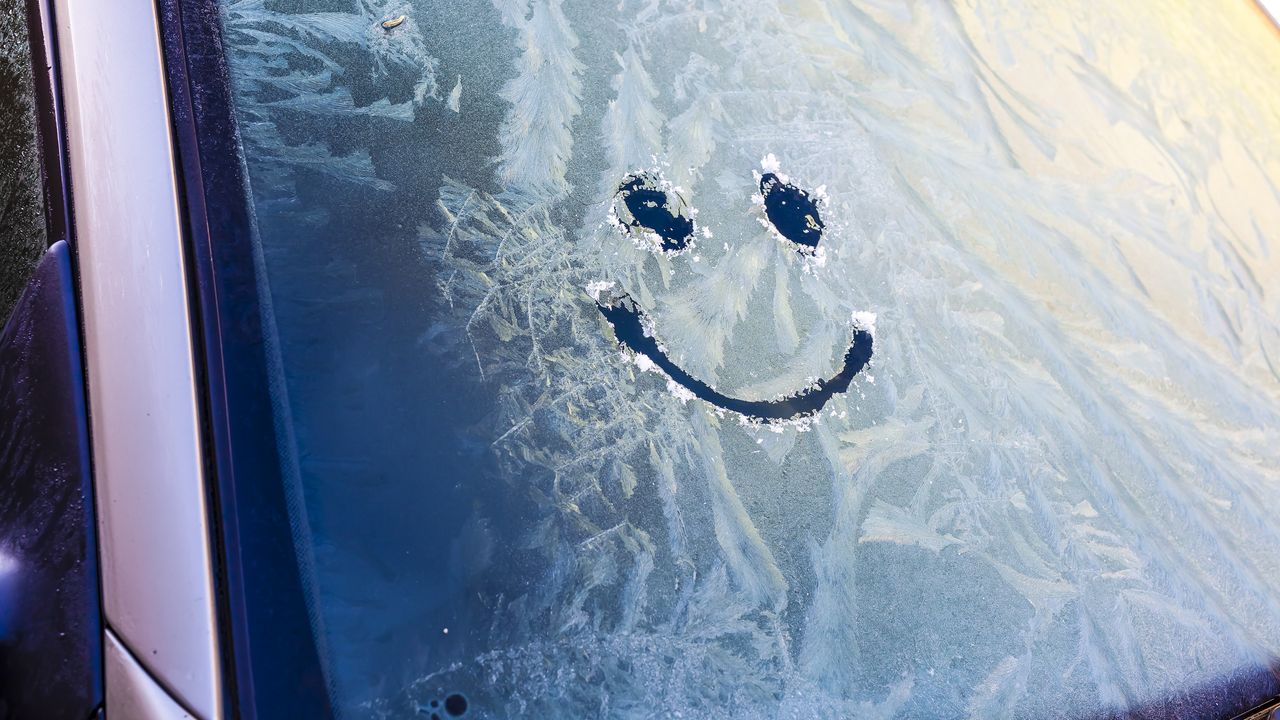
<point x="653" y="214"/>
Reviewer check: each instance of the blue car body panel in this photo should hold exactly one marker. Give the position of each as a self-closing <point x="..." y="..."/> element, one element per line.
<point x="50" y="617"/>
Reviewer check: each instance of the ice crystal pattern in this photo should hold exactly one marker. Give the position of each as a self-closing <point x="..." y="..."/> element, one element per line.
<point x="291" y="68"/>
<point x="1056" y="484"/>
<point x="1053" y="489"/>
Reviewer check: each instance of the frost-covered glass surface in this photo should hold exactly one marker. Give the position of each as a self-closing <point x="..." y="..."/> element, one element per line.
<point x="22" y="232"/>
<point x="575" y="301"/>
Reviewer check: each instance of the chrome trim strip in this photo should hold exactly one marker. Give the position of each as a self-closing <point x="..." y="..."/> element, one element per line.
<point x="132" y="693"/>
<point x="153" y="526"/>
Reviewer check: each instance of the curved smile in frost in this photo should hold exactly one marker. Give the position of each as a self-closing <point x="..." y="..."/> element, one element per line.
<point x="629" y="324"/>
<point x="653" y="214"/>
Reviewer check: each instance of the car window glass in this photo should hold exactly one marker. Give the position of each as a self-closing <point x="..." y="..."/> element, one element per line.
<point x="686" y="358"/>
<point x="22" y="234"/>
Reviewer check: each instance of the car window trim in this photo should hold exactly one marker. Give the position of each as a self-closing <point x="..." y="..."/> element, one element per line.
<point x="272" y="665"/>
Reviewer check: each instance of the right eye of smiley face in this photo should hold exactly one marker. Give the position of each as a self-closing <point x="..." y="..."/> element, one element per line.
<point x="655" y="215"/>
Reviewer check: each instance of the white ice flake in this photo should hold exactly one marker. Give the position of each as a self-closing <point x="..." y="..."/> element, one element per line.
<point x="682" y="393"/>
<point x="769" y="163"/>
<point x="454" y="102"/>
<point x="864" y="320"/>
<point x="597" y="287"/>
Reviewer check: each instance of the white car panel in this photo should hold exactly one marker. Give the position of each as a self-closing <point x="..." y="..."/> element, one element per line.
<point x="132" y="693"/>
<point x="154" y="536"/>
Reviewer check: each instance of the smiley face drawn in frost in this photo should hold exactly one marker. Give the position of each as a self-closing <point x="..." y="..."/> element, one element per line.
<point x="653" y="214"/>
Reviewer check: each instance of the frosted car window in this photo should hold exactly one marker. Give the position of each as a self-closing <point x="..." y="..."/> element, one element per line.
<point x="814" y="359"/>
<point x="22" y="232"/>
